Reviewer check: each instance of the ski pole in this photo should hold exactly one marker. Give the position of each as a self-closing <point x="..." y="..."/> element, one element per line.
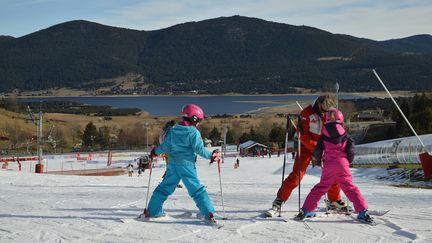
<point x="298" y="104"/>
<point x="299" y="160"/>
<point x="285" y="154"/>
<point x="298" y="156"/>
<point x="220" y="184"/>
<point x="148" y="187"/>
<point x="301" y="108"/>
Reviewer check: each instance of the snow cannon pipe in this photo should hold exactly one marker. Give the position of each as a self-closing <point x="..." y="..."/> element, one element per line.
<point x="397" y="106"/>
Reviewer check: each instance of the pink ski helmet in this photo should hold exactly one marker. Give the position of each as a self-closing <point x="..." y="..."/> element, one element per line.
<point x="193" y="113"/>
<point x="334" y="115"/>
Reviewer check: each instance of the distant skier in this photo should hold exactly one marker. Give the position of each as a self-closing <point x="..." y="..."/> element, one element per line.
<point x="182" y="143"/>
<point x="336" y="147"/>
<point x="130" y="170"/>
<point x="237" y="163"/>
<point x="143" y="163"/>
<point x="310" y="125"/>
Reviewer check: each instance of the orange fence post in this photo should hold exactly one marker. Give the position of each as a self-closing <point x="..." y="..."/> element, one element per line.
<point x="39" y="168"/>
<point x="426" y="162"/>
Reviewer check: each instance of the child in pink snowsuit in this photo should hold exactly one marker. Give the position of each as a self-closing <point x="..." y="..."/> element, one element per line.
<point x="336" y="148"/>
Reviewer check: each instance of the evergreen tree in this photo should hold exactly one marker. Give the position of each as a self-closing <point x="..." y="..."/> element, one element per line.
<point x="103" y="137"/>
<point x="419" y="103"/>
<point x="89" y="135"/>
<point x="277" y="135"/>
<point x="215" y="135"/>
<point x="229" y="137"/>
<point x="205" y="130"/>
<point x="253" y="135"/>
<point x="401" y="126"/>
<point x="244" y="137"/>
<point x="122" y="139"/>
<point x="422" y="121"/>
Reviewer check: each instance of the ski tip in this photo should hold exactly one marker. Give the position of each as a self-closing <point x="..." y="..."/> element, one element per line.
<point x="270" y="213"/>
<point x="128" y="220"/>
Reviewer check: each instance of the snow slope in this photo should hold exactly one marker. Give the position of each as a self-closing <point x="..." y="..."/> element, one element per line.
<point x="55" y="208"/>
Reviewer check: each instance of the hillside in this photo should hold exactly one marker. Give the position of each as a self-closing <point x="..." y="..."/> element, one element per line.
<point x="227" y="54"/>
<point x="418" y="44"/>
<point x="4" y="38"/>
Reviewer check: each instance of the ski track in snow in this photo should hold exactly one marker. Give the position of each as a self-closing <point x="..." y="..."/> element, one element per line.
<point x="184" y="235"/>
<point x="399" y="231"/>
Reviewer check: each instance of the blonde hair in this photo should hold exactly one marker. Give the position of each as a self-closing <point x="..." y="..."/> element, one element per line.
<point x="327" y="101"/>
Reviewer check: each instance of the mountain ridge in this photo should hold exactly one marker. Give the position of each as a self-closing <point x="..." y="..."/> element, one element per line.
<point x="220" y="55"/>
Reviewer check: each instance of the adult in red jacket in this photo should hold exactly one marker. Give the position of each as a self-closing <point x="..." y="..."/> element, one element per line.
<point x="312" y="119"/>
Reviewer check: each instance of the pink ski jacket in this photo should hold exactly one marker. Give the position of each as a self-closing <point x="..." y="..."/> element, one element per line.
<point x="334" y="145"/>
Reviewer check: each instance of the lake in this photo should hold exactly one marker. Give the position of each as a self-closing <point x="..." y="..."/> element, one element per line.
<point x="171" y="105"/>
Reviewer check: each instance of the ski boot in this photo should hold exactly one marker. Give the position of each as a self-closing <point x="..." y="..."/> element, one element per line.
<point x="365" y="217"/>
<point x="146" y="217"/>
<point x="338" y="205"/>
<point x="276" y="207"/>
<point x="212" y="221"/>
<point x="304" y="214"/>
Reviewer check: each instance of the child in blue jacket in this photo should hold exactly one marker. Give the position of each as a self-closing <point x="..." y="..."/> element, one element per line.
<point x="182" y="143"/>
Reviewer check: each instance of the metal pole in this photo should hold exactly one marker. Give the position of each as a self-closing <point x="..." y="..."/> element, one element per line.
<point x="224" y="141"/>
<point x="298" y="104"/>
<point x="220" y="185"/>
<point x="147" y="143"/>
<point x="299" y="163"/>
<point x="397" y="106"/>
<point x="39" y="138"/>
<point x="285" y="154"/>
<point x="337" y="94"/>
<point x="148" y="187"/>
<point x="299" y="158"/>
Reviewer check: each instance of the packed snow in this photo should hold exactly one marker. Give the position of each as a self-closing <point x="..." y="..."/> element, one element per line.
<point x="60" y="208"/>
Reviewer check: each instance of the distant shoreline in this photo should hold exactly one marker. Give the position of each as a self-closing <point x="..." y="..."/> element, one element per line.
<point x="377" y="94"/>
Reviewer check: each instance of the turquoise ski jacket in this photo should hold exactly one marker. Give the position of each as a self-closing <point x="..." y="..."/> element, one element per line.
<point x="182" y="144"/>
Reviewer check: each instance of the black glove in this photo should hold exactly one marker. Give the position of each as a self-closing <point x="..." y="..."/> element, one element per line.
<point x="215" y="156"/>
<point x="316" y="163"/>
<point x="153" y="153"/>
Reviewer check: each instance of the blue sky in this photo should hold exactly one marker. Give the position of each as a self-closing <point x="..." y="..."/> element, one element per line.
<point x="374" y="19"/>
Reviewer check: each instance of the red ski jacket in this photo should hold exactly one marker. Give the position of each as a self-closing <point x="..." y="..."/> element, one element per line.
<point x="310" y="129"/>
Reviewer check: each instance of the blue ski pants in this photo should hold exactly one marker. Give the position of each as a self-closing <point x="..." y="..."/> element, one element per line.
<point x="175" y="173"/>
